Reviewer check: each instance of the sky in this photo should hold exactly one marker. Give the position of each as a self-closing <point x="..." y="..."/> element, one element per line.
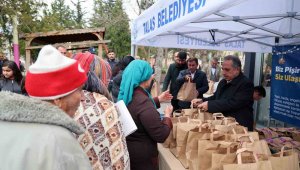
<point x="130" y="6"/>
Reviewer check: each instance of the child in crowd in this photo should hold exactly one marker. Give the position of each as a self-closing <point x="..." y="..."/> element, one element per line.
<point x="11" y="77"/>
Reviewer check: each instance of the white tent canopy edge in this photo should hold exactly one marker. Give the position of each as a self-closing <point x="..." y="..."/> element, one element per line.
<point x="237" y="25"/>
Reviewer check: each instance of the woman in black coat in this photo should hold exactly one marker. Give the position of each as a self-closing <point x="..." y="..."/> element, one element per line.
<point x="117" y="76"/>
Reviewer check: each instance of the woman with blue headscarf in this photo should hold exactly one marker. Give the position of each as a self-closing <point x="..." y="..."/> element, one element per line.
<point x="142" y="144"/>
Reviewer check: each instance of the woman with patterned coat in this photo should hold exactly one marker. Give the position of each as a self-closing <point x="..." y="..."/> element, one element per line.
<point x="103" y="140"/>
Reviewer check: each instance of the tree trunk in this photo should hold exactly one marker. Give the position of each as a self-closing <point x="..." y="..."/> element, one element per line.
<point x="158" y="65"/>
<point x="16" y="41"/>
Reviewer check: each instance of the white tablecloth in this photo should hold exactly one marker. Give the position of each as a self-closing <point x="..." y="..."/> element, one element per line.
<point x="167" y="161"/>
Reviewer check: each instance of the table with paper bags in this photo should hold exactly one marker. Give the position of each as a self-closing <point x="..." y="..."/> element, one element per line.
<point x="201" y="141"/>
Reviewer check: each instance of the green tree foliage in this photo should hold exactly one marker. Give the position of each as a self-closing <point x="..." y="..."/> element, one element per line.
<point x="144" y="4"/>
<point x="269" y="59"/>
<point x="59" y="17"/>
<point x="37" y="16"/>
<point x="27" y="13"/>
<point x="145" y="52"/>
<point x="79" y="14"/>
<point x="110" y="14"/>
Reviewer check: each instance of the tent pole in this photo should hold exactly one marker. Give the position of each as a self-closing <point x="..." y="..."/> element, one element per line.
<point x="291" y="22"/>
<point x="133" y="50"/>
<point x="252" y="25"/>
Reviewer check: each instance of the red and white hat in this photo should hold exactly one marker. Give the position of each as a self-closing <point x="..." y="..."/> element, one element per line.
<point x="53" y="75"/>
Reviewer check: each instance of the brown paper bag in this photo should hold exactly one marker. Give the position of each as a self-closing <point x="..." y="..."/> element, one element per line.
<point x="191" y="113"/>
<point x="181" y="136"/>
<point x="248" y="162"/>
<point x="194" y="113"/>
<point x="223" y="157"/>
<point x="198" y="133"/>
<point x="224" y="124"/>
<point x="175" y="121"/>
<point x="206" y="148"/>
<point x="259" y="147"/>
<point x="177" y="113"/>
<point x="217" y="119"/>
<point x="172" y="136"/>
<point x="240" y="131"/>
<point x="210" y="87"/>
<point x="181" y="142"/>
<point x="187" y="92"/>
<point x="170" y="142"/>
<point x="204" y="116"/>
<point x="285" y="159"/>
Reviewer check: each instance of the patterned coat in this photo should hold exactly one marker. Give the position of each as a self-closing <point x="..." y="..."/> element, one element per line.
<point x="38" y="135"/>
<point x="103" y="141"/>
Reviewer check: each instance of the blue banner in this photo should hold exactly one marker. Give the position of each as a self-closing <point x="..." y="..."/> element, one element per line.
<point x="285" y="84"/>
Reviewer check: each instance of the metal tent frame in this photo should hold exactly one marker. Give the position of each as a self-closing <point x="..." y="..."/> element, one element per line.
<point x="265" y="23"/>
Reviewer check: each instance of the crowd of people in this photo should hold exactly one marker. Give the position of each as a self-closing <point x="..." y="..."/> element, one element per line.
<point x="66" y="117"/>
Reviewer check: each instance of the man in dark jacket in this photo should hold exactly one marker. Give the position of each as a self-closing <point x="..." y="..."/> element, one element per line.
<point x="234" y="94"/>
<point x="111" y="59"/>
<point x="172" y="74"/>
<point x="2" y="60"/>
<point x="197" y="76"/>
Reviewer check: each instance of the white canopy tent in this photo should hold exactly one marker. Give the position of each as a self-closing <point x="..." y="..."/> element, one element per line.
<point x="237" y="25"/>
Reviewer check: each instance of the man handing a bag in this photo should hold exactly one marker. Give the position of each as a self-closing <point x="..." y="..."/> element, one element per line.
<point x="234" y="94"/>
<point x="192" y="82"/>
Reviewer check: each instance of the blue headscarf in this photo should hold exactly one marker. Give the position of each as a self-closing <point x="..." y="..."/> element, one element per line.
<point x="135" y="73"/>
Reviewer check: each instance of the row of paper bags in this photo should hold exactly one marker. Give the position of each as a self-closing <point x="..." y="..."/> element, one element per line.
<point x="216" y="142"/>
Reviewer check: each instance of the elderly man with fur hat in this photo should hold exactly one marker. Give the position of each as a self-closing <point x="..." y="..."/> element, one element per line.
<point x="37" y="134"/>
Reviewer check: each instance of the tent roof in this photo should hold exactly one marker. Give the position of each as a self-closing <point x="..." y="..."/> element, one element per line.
<point x="240" y="25"/>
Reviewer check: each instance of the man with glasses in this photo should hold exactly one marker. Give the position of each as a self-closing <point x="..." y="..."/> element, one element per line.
<point x="234" y="94"/>
<point x="172" y="74"/>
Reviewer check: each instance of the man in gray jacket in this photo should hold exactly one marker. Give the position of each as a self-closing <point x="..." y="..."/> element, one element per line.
<point x="38" y="134"/>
